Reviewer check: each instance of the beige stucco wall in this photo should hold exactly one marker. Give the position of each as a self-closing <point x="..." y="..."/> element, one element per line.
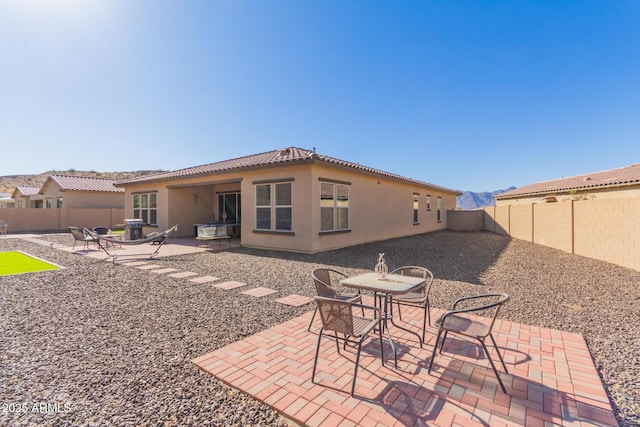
<point x="379" y="208"/>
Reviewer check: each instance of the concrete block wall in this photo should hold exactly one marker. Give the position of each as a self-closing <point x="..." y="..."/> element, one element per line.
<point x="552" y="225"/>
<point x="521" y="222"/>
<point x="502" y="220"/>
<point x="467" y="220"/>
<point x="616" y="237"/>
<point x="603" y="229"/>
<point x="35" y="220"/>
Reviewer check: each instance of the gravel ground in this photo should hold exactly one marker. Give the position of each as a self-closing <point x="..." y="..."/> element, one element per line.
<point x="114" y="343"/>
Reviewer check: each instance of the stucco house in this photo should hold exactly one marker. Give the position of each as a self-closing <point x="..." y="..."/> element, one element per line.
<point x="289" y="199"/>
<point x="27" y="196"/>
<point x="622" y="182"/>
<point x="6" y="201"/>
<point x="81" y="192"/>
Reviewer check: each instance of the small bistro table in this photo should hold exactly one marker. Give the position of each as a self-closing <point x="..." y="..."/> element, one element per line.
<point x="393" y="284"/>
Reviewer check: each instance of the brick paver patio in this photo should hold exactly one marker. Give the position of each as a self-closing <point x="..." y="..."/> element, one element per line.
<point x="551" y="380"/>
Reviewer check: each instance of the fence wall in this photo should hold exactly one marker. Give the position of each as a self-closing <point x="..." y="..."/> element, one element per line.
<point x="32" y="220"/>
<point x="603" y="229"/>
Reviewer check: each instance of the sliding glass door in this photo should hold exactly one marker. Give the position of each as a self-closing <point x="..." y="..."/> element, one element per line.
<point x="229" y="208"/>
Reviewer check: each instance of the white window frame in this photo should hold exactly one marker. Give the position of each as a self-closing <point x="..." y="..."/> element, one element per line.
<point x="439" y="208"/>
<point x="59" y="202"/>
<point x="140" y="212"/>
<point x="275" y="208"/>
<point x="335" y="205"/>
<point x="428" y="202"/>
<point x="416" y="208"/>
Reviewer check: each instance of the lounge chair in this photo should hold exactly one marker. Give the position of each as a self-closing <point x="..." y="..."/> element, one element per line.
<point x="152" y="238"/>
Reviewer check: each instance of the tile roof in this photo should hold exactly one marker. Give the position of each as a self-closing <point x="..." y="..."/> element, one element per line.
<point x="285" y="156"/>
<point x="620" y="177"/>
<point x="82" y="183"/>
<point x="26" y="190"/>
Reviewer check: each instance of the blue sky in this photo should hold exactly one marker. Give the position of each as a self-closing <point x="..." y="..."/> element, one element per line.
<point x="470" y="95"/>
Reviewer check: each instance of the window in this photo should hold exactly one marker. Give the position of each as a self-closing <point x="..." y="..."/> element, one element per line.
<point x="334" y="206"/>
<point x="20" y="204"/>
<point x="274" y="206"/>
<point x="439" y="207"/>
<point x="428" y="202"/>
<point x="145" y="207"/>
<point x="415" y="207"/>
<point x="47" y="203"/>
<point x="59" y="202"/>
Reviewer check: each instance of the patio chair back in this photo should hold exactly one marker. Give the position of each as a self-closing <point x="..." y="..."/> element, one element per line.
<point x="77" y="234"/>
<point x="336" y="315"/>
<point x="415" y="271"/>
<point x="322" y="281"/>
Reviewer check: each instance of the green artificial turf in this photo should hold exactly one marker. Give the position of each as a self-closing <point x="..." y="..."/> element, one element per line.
<point x="14" y="262"/>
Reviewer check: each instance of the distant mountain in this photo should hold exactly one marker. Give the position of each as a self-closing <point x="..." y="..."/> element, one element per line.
<point x="471" y="200"/>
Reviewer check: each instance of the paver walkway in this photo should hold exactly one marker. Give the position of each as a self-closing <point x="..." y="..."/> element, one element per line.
<point x="551" y="380"/>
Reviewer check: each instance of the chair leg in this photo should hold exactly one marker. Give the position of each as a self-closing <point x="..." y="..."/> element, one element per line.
<point x="399" y="311"/>
<point x="315" y="360"/>
<point x="428" y="312"/>
<point x="435" y="347"/>
<point x="442" y="343"/>
<point x="495" y="371"/>
<point x="380" y="336"/>
<point x="499" y="355"/>
<point x="338" y="344"/>
<point x="355" y="369"/>
<point x="312" y="317"/>
<point x="424" y="321"/>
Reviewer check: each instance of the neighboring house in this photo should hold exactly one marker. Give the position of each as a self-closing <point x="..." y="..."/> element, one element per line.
<point x="615" y="183"/>
<point x="6" y="201"/>
<point x="26" y="196"/>
<point x="81" y="192"/>
<point x="290" y="199"/>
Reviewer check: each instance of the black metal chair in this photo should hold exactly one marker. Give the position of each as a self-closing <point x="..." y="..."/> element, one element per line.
<point x="337" y="317"/>
<point x="458" y="322"/>
<point x="419" y="298"/>
<point x="324" y="288"/>
<point x="101" y="230"/>
<point x="79" y="235"/>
